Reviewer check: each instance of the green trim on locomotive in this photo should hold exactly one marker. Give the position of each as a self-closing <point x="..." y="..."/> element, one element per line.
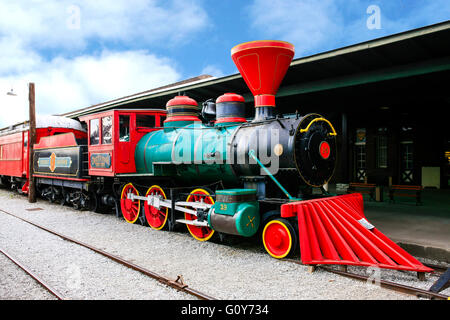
<point x="195" y="152"/>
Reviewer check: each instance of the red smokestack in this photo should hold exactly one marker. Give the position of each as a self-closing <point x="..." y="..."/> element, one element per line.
<point x="263" y="64"/>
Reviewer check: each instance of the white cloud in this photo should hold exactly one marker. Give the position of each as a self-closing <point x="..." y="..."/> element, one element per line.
<point x="305" y="23"/>
<point x="64" y="85"/>
<point x="76" y="65"/>
<point x="50" y="24"/>
<point x="15" y="57"/>
<point x="212" y="70"/>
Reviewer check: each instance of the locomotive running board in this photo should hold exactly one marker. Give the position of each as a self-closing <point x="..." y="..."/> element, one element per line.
<point x="334" y="230"/>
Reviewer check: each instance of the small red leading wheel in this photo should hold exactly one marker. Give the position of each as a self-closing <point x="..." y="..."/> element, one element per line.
<point x="199" y="233"/>
<point x="156" y="218"/>
<point x="279" y="238"/>
<point x="130" y="208"/>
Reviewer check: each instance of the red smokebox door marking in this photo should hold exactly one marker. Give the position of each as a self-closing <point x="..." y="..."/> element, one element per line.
<point x="324" y="150"/>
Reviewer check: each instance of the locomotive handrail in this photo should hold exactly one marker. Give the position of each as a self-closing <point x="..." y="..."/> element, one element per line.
<point x="320" y="119"/>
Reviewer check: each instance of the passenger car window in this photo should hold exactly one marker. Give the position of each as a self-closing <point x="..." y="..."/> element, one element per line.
<point x="107" y="130"/>
<point x="124" y="128"/>
<point x="94" y="134"/>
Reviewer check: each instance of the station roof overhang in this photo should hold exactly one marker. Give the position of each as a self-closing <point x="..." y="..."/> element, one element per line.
<point x="392" y="62"/>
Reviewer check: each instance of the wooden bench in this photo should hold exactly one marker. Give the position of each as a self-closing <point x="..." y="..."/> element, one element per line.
<point x="405" y="191"/>
<point x="366" y="188"/>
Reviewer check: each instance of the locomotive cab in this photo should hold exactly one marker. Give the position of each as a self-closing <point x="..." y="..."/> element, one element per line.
<point x="113" y="135"/>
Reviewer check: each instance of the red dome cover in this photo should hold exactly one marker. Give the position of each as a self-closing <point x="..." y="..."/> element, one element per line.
<point x="230" y="97"/>
<point x="181" y="101"/>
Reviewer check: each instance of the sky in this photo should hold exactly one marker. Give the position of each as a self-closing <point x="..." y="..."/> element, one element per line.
<point x="83" y="52"/>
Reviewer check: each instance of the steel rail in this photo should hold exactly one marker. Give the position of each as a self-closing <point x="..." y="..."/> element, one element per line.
<point x="383" y="283"/>
<point x="44" y="284"/>
<point x="174" y="283"/>
<point x="392" y="285"/>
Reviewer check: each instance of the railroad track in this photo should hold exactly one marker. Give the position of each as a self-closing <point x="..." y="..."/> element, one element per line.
<point x="35" y="276"/>
<point x="418" y="292"/>
<point x="181" y="286"/>
<point x="177" y="283"/>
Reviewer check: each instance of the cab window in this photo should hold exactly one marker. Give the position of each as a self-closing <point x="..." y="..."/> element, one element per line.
<point x="124" y="128"/>
<point x="94" y="134"/>
<point x="107" y="130"/>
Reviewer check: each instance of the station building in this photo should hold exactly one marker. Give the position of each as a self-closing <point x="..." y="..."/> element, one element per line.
<point x="387" y="98"/>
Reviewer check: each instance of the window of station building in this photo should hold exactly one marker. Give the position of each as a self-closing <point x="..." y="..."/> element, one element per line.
<point x="407" y="165"/>
<point x="146" y="121"/>
<point x="107" y="130"/>
<point x="124" y="128"/>
<point x="360" y="154"/>
<point x="382" y="148"/>
<point x="94" y="132"/>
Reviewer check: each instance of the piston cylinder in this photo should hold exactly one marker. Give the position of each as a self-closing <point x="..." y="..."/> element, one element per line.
<point x="235" y="211"/>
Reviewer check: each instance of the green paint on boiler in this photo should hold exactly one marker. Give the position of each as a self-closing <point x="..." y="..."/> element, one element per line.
<point x="194" y="153"/>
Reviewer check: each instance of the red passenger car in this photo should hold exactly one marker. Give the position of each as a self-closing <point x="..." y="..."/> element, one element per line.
<point x="14" y="147"/>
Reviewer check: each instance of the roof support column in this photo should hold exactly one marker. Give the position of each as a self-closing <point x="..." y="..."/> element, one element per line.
<point x="344" y="151"/>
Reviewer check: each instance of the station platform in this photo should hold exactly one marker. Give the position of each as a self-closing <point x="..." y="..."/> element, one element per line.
<point x="422" y="230"/>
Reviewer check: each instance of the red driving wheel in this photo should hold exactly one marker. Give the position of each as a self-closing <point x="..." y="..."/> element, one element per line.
<point x="199" y="233"/>
<point x="130" y="208"/>
<point x="156" y="218"/>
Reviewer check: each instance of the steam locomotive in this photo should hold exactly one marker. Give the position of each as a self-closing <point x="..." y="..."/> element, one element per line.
<point x="209" y="168"/>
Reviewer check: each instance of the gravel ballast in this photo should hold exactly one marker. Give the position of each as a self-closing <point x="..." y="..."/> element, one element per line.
<point x="223" y="271"/>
